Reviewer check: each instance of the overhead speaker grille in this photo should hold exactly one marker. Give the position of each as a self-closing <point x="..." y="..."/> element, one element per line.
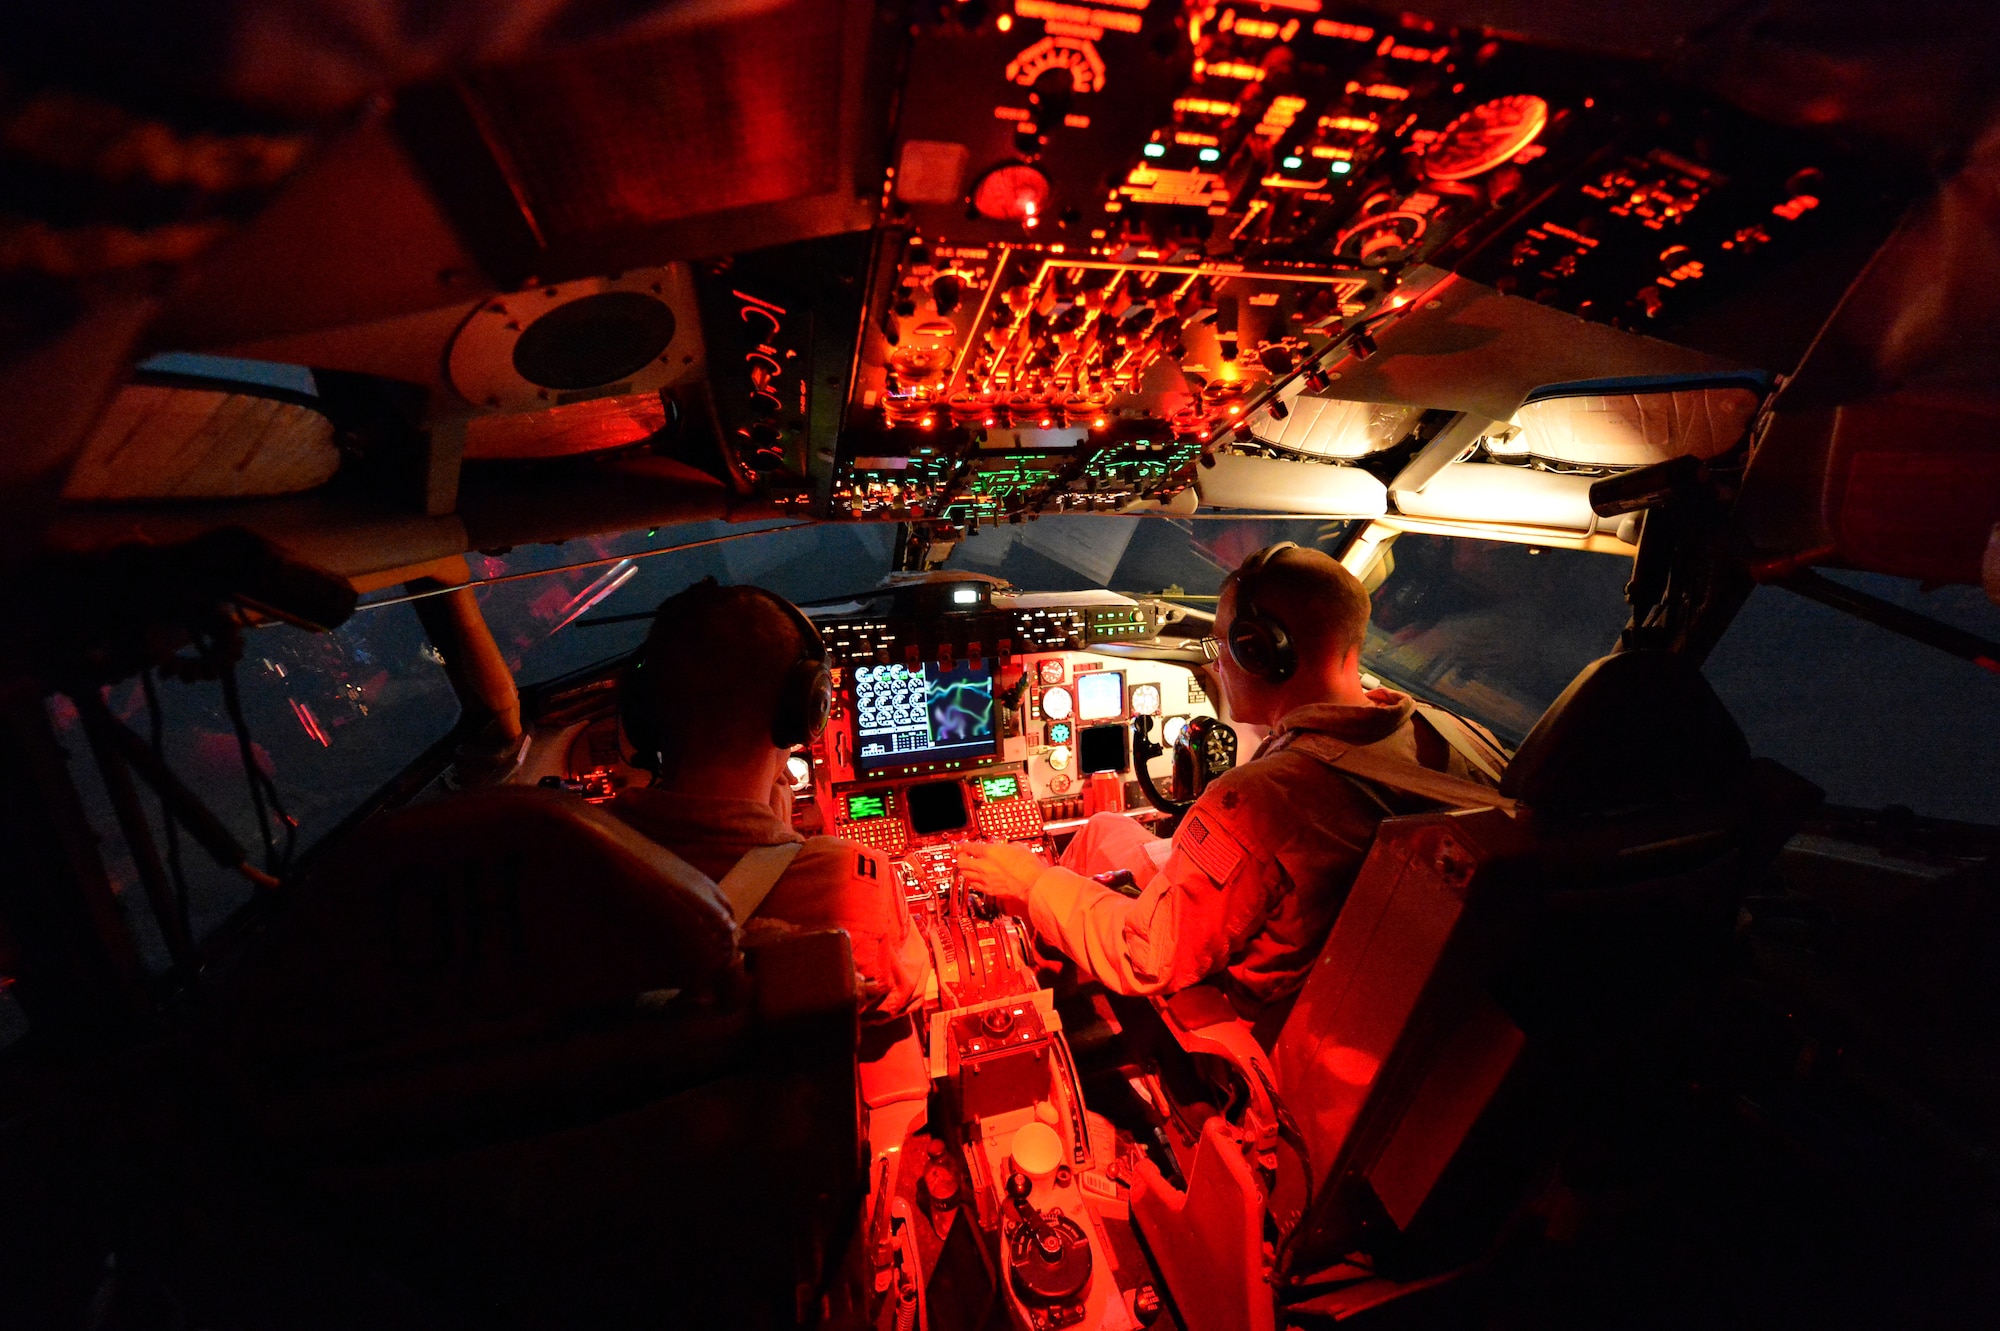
<point x="594" y="341"/>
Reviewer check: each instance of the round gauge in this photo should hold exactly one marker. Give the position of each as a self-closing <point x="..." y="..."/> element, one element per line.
<point x="1013" y="193"/>
<point x="1486" y="136"/>
<point x="1058" y="784"/>
<point x="1145" y="700"/>
<point x="1050" y="671"/>
<point x="1059" y="732"/>
<point x="1381" y="239"/>
<point x="799" y="768"/>
<point x="1170" y="730"/>
<point x="1059" y="758"/>
<point x="1057" y="704"/>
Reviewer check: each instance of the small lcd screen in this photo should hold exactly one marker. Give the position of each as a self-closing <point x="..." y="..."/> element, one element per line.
<point x="1000" y="787"/>
<point x="1100" y="695"/>
<point x="1100" y="749"/>
<point x="903" y="717"/>
<point x="866" y="806"/>
<point x="937" y="807"/>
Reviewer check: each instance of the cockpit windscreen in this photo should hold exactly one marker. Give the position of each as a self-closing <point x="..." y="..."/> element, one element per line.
<point x="904" y="716"/>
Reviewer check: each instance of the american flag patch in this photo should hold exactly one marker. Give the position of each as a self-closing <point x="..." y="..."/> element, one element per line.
<point x="1214" y="851"/>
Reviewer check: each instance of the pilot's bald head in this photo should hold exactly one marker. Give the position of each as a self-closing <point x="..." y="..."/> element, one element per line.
<point x="1322" y="606"/>
<point x="712" y="668"/>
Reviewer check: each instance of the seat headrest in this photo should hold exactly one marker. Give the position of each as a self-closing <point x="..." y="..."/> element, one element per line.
<point x="497" y="911"/>
<point x="1633" y="731"/>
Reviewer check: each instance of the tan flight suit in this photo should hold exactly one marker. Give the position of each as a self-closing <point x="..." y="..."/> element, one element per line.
<point x="832" y="884"/>
<point x="1258" y="869"/>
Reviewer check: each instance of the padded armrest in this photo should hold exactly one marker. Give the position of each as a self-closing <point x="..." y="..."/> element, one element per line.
<point x="803" y="974"/>
<point x="898" y="1073"/>
<point x="1203" y="1022"/>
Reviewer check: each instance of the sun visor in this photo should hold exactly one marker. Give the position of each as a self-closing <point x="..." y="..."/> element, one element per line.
<point x="1279" y="485"/>
<point x="1490" y="492"/>
<point x="1327" y="427"/>
<point x="1633" y="422"/>
<point x="160" y="441"/>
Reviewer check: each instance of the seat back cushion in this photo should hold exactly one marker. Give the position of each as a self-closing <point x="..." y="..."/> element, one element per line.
<point x="477" y="918"/>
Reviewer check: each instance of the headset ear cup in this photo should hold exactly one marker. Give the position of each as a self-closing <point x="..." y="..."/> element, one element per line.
<point x="819" y="702"/>
<point x="1262" y="648"/>
<point x="1284" y="660"/>
<point x="805" y="700"/>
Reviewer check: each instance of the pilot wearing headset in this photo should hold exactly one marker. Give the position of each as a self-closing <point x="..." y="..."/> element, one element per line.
<point x="729" y="682"/>
<point x="1248" y="889"/>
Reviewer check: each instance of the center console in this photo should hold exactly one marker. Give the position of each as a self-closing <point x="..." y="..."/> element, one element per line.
<point x="998" y="723"/>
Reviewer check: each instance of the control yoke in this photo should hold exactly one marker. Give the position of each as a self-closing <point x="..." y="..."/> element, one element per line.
<point x="1144" y="750"/>
<point x="1205" y="750"/>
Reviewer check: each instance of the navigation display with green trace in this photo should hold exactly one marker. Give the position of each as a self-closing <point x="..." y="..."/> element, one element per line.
<point x="1000" y="787"/>
<point x="860" y="807"/>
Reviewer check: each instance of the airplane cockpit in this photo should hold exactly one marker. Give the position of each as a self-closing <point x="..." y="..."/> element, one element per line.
<point x="373" y="371"/>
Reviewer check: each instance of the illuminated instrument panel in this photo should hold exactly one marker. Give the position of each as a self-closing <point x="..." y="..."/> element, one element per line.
<point x="1113" y="232"/>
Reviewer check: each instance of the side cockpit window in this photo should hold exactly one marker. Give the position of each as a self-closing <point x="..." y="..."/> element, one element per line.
<point x="331" y="719"/>
<point x="1872" y="717"/>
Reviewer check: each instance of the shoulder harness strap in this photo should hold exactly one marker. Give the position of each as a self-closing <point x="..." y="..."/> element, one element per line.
<point x="746" y="885"/>
<point x="1465" y="740"/>
<point x="1405" y="777"/>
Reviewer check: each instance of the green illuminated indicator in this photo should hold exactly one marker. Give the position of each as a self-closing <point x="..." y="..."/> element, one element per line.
<point x="860" y="807"/>
<point x="1000" y="787"/>
<point x="1156" y="150"/>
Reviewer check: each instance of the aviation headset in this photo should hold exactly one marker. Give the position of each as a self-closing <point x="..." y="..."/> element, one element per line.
<point x="1259" y="642"/>
<point x="805" y="694"/>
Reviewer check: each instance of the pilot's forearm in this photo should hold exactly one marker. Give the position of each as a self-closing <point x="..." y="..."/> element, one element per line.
<point x="1093" y="926"/>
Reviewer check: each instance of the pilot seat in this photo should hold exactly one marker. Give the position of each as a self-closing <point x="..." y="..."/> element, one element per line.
<point x="1499" y="977"/>
<point x="520" y="1052"/>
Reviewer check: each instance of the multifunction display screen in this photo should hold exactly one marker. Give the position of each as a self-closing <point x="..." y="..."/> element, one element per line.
<point x="905" y="716"/>
<point x="860" y="807"/>
<point x="1101" y="749"/>
<point x="1100" y="695"/>
<point x="1000" y="787"/>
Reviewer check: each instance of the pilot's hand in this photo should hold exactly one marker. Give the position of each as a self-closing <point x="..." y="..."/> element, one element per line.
<point x="1003" y="871"/>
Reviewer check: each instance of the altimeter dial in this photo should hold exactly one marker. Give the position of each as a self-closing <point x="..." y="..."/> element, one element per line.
<point x="1486" y="136"/>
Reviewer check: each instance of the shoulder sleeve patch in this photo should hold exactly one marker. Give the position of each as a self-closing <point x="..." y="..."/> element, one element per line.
<point x="1214" y="851"/>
